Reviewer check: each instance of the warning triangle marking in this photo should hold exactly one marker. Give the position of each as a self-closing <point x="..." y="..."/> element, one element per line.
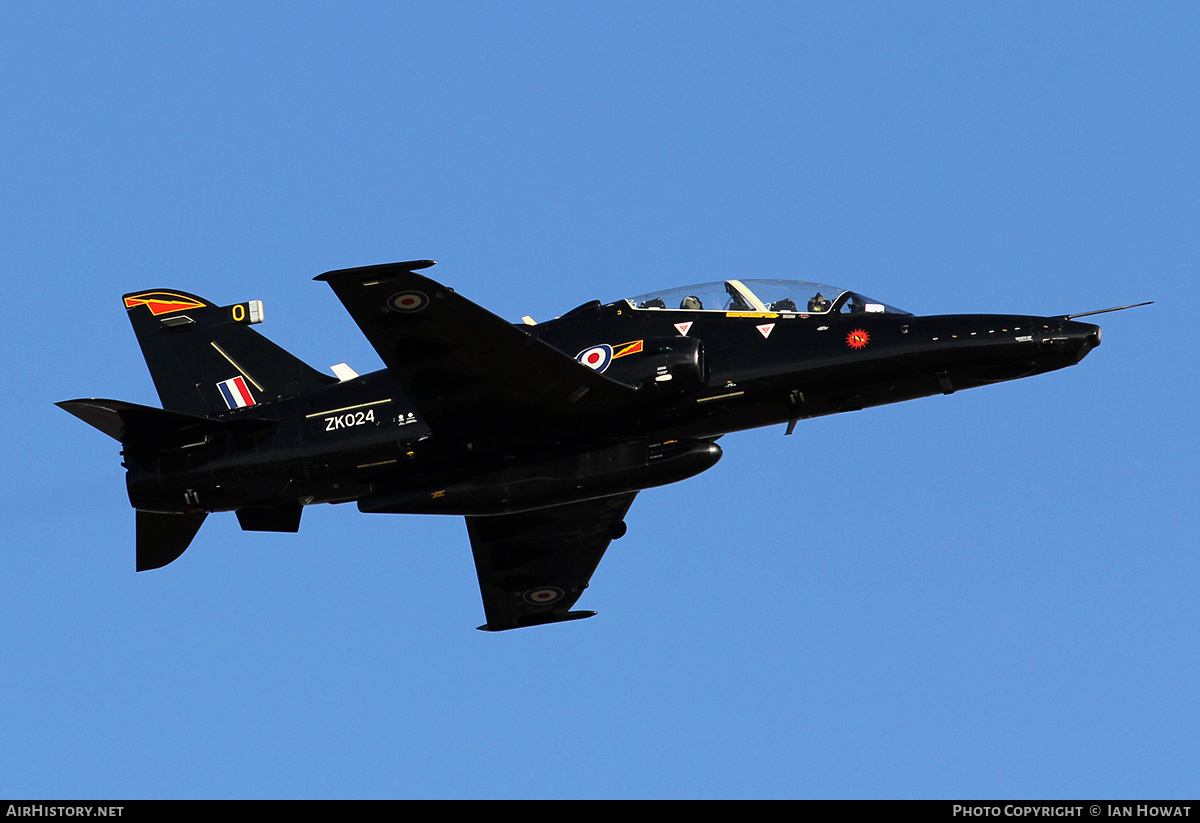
<point x="683" y="328"/>
<point x="765" y="329"/>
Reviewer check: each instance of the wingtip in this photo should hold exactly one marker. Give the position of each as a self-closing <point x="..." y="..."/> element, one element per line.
<point x="407" y="265"/>
<point x="540" y="620"/>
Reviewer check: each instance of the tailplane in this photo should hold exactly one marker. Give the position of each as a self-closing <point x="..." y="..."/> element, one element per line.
<point x="166" y="522"/>
<point x="205" y="359"/>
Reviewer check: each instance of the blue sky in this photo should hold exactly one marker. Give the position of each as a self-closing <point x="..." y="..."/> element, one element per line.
<point x="988" y="594"/>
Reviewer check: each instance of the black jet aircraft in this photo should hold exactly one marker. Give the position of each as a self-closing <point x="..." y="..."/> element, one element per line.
<point x="540" y="434"/>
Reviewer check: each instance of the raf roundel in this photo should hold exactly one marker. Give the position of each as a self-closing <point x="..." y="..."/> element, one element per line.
<point x="543" y="596"/>
<point x="597" y="357"/>
<point x="408" y="301"/>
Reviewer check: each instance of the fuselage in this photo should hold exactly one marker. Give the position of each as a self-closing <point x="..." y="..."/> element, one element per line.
<point x="699" y="375"/>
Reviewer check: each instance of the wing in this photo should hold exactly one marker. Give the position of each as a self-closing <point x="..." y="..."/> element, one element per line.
<point x="534" y="565"/>
<point x="459" y="363"/>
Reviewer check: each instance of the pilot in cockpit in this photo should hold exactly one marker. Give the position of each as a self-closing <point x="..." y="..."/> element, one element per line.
<point x="737" y="302"/>
<point x="818" y="303"/>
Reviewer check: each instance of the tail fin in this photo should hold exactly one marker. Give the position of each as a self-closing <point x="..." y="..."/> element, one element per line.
<point x="205" y="359"/>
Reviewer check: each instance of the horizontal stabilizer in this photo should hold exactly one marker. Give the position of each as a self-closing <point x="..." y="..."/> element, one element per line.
<point x="145" y="425"/>
<point x="161" y="538"/>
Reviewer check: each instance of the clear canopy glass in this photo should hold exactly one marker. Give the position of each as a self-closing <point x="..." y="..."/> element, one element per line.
<point x="780" y="296"/>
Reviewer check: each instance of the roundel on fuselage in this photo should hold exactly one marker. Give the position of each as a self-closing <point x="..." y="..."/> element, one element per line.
<point x="596" y="357"/>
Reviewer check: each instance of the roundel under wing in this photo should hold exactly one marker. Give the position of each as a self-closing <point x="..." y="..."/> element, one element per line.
<point x="543" y="596"/>
<point x="408" y="301"/>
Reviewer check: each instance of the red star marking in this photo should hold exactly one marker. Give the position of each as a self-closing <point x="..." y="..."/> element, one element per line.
<point x="858" y="339"/>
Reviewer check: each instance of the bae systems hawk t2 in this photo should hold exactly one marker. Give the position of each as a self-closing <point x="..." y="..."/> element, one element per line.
<point x="540" y="434"/>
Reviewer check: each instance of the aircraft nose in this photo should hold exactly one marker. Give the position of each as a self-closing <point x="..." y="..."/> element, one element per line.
<point x="1081" y="338"/>
<point x="1072" y="340"/>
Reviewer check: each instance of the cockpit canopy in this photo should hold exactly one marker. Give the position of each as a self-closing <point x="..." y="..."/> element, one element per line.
<point x="780" y="296"/>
